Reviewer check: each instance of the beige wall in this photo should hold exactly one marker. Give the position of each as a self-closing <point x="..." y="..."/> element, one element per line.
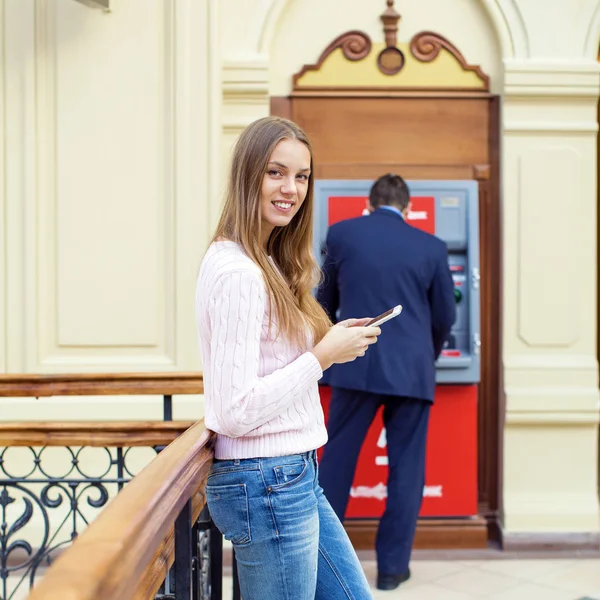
<point x="117" y="128"/>
<point x="107" y="175"/>
<point x="107" y="170"/>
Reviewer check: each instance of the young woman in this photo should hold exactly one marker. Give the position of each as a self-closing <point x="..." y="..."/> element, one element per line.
<point x="265" y="342"/>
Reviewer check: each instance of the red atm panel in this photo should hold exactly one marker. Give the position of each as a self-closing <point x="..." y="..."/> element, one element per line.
<point x="451" y="464"/>
<point x="422" y="215"/>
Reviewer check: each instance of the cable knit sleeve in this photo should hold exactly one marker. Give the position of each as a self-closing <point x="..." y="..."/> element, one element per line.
<point x="241" y="399"/>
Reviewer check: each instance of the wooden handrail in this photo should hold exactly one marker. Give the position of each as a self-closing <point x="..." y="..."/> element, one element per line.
<point x="91" y="433"/>
<point x="162" y="561"/>
<point x="100" y="384"/>
<point x="120" y="552"/>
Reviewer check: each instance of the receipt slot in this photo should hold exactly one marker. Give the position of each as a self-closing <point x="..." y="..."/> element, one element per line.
<point x="449" y="210"/>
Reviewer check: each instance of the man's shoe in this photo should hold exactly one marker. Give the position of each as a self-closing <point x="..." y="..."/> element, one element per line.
<point x="391" y="582"/>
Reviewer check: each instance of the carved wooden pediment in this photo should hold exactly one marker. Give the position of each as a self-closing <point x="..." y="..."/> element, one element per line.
<point x="428" y="63"/>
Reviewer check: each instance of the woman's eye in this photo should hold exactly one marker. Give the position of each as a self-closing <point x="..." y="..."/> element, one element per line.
<point x="303" y="176"/>
<point x="274" y="173"/>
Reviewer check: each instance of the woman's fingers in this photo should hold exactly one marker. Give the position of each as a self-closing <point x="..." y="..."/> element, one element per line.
<point x="354" y="322"/>
<point x="371" y="334"/>
<point x="347" y="323"/>
<point x="371" y="331"/>
<point x="360" y="322"/>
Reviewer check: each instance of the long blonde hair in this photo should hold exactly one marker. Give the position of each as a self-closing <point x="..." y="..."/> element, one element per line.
<point x="290" y="247"/>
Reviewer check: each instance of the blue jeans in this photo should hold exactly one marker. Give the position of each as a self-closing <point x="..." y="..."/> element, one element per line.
<point x="288" y="542"/>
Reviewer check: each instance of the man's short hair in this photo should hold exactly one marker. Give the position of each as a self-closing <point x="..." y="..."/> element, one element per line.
<point x="389" y="190"/>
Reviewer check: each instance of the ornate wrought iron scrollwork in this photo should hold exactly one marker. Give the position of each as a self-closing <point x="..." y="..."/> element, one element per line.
<point x="47" y="497"/>
<point x="201" y="564"/>
<point x="17" y="556"/>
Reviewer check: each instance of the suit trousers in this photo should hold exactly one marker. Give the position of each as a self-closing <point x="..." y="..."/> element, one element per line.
<point x="406" y="420"/>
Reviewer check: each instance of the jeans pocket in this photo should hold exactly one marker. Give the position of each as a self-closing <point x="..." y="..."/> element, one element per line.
<point x="228" y="506"/>
<point x="288" y="475"/>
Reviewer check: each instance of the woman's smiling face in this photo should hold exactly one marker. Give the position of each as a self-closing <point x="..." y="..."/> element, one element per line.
<point x="284" y="185"/>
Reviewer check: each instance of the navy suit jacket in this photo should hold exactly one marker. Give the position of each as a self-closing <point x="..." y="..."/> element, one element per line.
<point x="371" y="264"/>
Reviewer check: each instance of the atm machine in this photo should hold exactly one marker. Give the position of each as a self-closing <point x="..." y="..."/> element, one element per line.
<point x="449" y="210"/>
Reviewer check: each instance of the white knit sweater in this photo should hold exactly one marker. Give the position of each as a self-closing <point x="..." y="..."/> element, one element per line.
<point x="261" y="393"/>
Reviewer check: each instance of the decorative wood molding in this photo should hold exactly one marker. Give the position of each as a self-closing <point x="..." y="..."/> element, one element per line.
<point x="121" y="434"/>
<point x="100" y="384"/>
<point x="453" y="75"/>
<point x="355" y="170"/>
<point x="355" y="45"/>
<point x="426" y="47"/>
<point x="464" y="533"/>
<point x="388" y="92"/>
<point x="281" y="106"/>
<point x="391" y="59"/>
<point x="481" y="172"/>
<point x="390" y="20"/>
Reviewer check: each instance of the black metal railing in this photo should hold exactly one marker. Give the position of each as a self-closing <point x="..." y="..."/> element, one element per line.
<point x="197" y="571"/>
<point x="41" y="513"/>
<point x="43" y="509"/>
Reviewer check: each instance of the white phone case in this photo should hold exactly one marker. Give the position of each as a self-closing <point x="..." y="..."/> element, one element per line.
<point x="386" y="316"/>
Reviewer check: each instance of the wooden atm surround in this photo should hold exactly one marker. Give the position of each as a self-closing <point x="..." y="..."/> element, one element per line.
<point x="421" y="111"/>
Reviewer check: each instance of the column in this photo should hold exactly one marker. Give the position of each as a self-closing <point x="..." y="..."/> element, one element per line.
<point x="549" y="297"/>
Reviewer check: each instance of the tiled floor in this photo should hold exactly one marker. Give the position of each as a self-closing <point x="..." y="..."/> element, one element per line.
<point x="455" y="575"/>
<point x="507" y="579"/>
<point x="547" y="579"/>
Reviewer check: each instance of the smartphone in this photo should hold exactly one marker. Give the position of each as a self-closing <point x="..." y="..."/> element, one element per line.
<point x="386" y="316"/>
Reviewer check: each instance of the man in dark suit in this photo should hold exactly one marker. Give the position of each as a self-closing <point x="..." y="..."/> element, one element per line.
<point x="371" y="264"/>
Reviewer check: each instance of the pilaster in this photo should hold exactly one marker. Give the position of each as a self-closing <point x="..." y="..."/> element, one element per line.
<point x="549" y="329"/>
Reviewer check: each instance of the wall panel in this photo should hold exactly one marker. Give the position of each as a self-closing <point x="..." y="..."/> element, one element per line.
<point x="106" y="183"/>
<point x="548" y="191"/>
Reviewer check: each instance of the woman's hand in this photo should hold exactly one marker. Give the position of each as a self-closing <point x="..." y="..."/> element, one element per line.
<point x="344" y="343"/>
<point x="354" y="322"/>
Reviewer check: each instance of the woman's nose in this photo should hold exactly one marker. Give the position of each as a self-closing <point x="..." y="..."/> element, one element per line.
<point x="288" y="186"/>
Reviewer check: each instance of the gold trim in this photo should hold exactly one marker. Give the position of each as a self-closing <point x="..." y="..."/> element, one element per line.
<point x="429" y="62"/>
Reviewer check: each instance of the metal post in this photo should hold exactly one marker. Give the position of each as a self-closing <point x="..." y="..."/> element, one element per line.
<point x="183" y="553"/>
<point x="120" y="468"/>
<point x="167" y="407"/>
<point x="236" y="582"/>
<point x="216" y="562"/>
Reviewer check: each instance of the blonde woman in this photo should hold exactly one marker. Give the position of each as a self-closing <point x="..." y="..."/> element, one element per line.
<point x="265" y="343"/>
